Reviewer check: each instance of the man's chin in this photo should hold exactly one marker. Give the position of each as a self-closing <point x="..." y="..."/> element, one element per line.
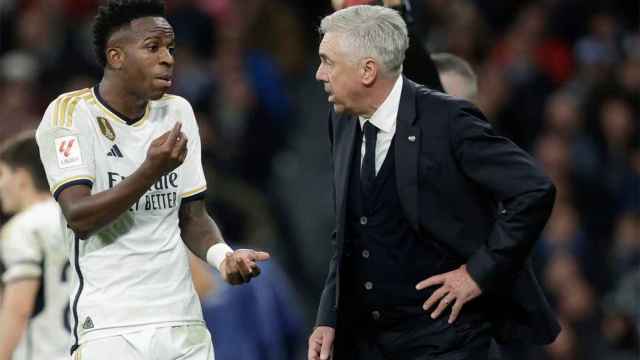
<point x="156" y="95"/>
<point x="340" y="109"/>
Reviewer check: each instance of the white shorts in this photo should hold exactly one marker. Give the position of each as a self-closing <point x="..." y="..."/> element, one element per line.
<point x="184" y="342"/>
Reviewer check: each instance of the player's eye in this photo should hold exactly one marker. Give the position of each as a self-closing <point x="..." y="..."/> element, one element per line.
<point x="152" y="47"/>
<point x="172" y="50"/>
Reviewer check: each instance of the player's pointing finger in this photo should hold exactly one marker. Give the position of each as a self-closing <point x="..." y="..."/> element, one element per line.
<point x="261" y="256"/>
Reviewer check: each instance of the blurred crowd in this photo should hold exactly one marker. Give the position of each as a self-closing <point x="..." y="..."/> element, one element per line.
<point x="561" y="78"/>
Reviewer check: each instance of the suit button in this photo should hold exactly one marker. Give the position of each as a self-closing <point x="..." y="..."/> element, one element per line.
<point x="365" y="254"/>
<point x="363" y="220"/>
<point x="503" y="212"/>
<point x="368" y="285"/>
<point x="375" y="315"/>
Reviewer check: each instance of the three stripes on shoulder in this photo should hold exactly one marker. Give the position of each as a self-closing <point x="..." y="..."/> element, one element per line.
<point x="65" y="106"/>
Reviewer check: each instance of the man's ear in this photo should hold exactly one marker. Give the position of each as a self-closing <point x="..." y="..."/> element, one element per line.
<point x="369" y="71"/>
<point x="23" y="178"/>
<point x="115" y="57"/>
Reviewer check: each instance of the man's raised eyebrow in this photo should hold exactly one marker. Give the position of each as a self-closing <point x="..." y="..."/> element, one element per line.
<point x="157" y="37"/>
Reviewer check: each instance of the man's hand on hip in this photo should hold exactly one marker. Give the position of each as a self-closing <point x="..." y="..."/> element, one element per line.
<point x="321" y="343"/>
<point x="458" y="288"/>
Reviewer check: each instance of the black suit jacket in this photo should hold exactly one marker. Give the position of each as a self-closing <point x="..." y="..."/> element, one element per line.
<point x="475" y="193"/>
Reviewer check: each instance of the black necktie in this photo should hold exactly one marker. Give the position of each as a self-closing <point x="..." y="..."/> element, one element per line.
<point x="368" y="172"/>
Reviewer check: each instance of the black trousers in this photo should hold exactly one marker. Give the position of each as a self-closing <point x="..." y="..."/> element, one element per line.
<point x="408" y="333"/>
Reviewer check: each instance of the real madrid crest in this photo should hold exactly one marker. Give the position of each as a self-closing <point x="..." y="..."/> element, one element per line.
<point x="106" y="128"/>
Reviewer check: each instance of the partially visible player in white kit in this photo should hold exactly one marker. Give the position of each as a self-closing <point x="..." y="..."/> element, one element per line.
<point x="123" y="161"/>
<point x="34" y="312"/>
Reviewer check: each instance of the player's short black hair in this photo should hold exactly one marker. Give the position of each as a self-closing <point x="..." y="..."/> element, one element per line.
<point x="117" y="13"/>
<point x="21" y="152"/>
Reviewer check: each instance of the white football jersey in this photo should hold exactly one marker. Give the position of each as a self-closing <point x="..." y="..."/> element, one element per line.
<point x="32" y="246"/>
<point x="135" y="271"/>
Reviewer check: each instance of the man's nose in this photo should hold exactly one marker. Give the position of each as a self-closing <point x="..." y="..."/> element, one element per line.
<point x="167" y="57"/>
<point x="320" y="75"/>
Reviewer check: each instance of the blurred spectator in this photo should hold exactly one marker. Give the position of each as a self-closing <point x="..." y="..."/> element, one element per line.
<point x="456" y="75"/>
<point x="626" y="245"/>
<point x="523" y="57"/>
<point x="562" y="115"/>
<point x="553" y="153"/>
<point x="575" y="303"/>
<point x="563" y="234"/>
<point x="18" y="95"/>
<point x="606" y="181"/>
<point x="260" y="321"/>
<point x="600" y="49"/>
<point x="621" y="325"/>
<point x="251" y="108"/>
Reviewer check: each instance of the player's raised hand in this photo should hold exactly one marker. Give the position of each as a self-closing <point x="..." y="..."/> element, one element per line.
<point x="168" y="151"/>
<point x="241" y="266"/>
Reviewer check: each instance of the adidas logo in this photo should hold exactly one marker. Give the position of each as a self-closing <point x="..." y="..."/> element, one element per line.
<point x="115" y="152"/>
<point x="88" y="323"/>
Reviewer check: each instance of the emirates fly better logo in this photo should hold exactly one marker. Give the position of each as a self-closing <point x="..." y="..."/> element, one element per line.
<point x="68" y="151"/>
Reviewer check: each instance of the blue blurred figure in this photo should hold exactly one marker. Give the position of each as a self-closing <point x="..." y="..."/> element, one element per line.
<point x="259" y="321"/>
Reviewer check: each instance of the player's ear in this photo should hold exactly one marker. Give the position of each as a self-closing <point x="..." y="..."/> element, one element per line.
<point x="23" y="178"/>
<point x="115" y="57"/>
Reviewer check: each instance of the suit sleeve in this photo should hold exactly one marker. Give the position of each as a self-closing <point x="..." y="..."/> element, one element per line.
<point x="327" y="310"/>
<point x="327" y="315"/>
<point x="514" y="179"/>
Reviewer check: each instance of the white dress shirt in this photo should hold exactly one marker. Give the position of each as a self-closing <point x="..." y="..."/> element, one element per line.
<point x="384" y="118"/>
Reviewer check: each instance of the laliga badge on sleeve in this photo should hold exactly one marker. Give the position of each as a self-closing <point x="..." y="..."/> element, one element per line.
<point x="68" y="151"/>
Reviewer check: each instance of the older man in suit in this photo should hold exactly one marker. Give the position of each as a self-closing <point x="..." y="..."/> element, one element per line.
<point x="436" y="216"/>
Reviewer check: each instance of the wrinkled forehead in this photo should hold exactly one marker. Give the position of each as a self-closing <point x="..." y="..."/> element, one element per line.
<point x="332" y="44"/>
<point x="149" y="26"/>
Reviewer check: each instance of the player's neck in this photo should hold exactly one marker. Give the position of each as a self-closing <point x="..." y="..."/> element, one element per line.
<point x="114" y="92"/>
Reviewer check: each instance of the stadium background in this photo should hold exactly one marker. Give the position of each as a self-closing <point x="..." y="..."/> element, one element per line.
<point x="561" y="78"/>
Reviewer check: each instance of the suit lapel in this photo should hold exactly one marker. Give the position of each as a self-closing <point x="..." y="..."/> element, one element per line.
<point x="407" y="150"/>
<point x="343" y="154"/>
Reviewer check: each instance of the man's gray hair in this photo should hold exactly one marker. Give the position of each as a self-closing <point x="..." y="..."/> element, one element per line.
<point x="370" y="31"/>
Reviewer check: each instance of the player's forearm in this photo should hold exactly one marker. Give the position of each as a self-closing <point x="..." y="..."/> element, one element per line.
<point x="12" y="327"/>
<point x="86" y="213"/>
<point x="198" y="230"/>
<point x="200" y="235"/>
<point x="14" y="317"/>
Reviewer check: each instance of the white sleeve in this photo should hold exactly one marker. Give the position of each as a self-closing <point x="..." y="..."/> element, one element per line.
<point x="66" y="149"/>
<point x="194" y="183"/>
<point x="22" y="253"/>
